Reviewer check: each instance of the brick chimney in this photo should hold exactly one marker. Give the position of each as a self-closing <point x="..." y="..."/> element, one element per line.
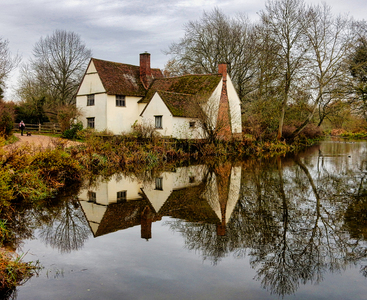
<point x="145" y="70"/>
<point x="146" y="223"/>
<point x="222" y="69"/>
<point x="223" y="120"/>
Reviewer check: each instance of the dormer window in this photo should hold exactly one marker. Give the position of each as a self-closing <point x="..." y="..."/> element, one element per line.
<point x="120" y="101"/>
<point x="90" y="100"/>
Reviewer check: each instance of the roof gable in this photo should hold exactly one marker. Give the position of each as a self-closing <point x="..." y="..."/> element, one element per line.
<point x="182" y="95"/>
<point x="188" y="84"/>
<point x="122" y="79"/>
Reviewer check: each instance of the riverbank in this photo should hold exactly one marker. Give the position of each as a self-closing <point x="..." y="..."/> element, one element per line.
<point x="35" y="168"/>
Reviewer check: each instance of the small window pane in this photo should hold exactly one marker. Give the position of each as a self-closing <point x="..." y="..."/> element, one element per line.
<point x="120" y="100"/>
<point x="121" y="196"/>
<point x="90" y="122"/>
<point x="158" y="121"/>
<point x="192" y="124"/>
<point x="92" y="197"/>
<point x="159" y="183"/>
<point x="90" y="100"/>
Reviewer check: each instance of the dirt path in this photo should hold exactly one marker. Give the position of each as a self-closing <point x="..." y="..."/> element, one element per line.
<point x="42" y="141"/>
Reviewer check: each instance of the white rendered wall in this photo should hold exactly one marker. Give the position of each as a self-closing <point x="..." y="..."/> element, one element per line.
<point x="234" y="107"/>
<point x="212" y="106"/>
<point x="121" y="118"/>
<point x="91" y="84"/>
<point x="182" y="130"/>
<point x="106" y="193"/>
<point x="156" y="107"/>
<point x="97" y="111"/>
<point x="173" y="181"/>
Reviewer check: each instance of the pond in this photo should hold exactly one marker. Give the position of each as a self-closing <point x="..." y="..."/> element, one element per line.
<point x="293" y="227"/>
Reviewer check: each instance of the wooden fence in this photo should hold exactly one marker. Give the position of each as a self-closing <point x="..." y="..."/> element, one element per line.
<point x="40" y="128"/>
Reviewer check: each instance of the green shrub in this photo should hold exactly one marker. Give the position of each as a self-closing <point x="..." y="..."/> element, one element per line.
<point x="73" y="132"/>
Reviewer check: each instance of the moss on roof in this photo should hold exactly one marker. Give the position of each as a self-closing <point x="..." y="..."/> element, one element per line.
<point x="198" y="85"/>
<point x="180" y="105"/>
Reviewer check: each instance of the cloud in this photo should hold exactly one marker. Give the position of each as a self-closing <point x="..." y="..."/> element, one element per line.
<point x="119" y="30"/>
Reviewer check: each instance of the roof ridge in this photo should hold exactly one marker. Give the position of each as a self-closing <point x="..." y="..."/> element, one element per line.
<point x="170" y="92"/>
<point x="187" y="75"/>
<point x="120" y="63"/>
<point x="114" y="62"/>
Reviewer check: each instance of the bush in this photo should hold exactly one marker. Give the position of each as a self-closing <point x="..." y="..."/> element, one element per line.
<point x="56" y="167"/>
<point x="73" y="132"/>
<point x="143" y="131"/>
<point x="66" y="115"/>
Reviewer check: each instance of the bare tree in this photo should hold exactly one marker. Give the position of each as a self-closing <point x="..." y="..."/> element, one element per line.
<point x="7" y="62"/>
<point x="330" y="41"/>
<point x="284" y="20"/>
<point x="358" y="70"/>
<point x="212" y="40"/>
<point x="58" y="65"/>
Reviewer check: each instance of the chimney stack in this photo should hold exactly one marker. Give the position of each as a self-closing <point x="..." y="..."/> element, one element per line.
<point x="145" y="71"/>
<point x="222" y="69"/>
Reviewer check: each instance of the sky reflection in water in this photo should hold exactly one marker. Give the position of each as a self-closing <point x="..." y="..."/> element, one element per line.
<point x="293" y="227"/>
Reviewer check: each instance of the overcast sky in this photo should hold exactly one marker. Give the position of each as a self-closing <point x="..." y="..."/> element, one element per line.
<point x="118" y="30"/>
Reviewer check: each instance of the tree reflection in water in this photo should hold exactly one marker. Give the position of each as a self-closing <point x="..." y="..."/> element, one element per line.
<point x="68" y="229"/>
<point x="296" y="218"/>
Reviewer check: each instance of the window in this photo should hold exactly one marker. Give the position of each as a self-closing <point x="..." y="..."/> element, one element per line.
<point x="192" y="124"/>
<point x="90" y="100"/>
<point x="158" y="122"/>
<point x="90" y="122"/>
<point x="159" y="183"/>
<point x="120" y="100"/>
<point x="92" y="197"/>
<point x="121" y="196"/>
<point x="191" y="179"/>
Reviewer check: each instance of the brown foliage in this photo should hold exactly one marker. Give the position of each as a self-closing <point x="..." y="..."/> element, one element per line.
<point x="6" y="118"/>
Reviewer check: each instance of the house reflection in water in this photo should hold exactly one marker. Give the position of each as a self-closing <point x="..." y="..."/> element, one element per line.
<point x="194" y="193"/>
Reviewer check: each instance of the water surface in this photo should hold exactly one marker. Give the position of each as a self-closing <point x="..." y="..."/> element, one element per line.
<point x="292" y="228"/>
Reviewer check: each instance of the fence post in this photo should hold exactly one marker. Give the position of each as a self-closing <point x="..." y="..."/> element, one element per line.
<point x="39" y="127"/>
<point x="54" y="128"/>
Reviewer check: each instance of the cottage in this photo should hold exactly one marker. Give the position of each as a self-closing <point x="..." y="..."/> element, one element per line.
<point x="192" y="193"/>
<point x="114" y="96"/>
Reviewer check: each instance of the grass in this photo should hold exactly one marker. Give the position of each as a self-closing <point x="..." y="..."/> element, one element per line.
<point x="13" y="271"/>
<point x="352" y="135"/>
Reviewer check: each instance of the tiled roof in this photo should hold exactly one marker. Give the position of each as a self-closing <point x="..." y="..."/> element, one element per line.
<point x="122" y="79"/>
<point x="182" y="94"/>
<point x="187" y="204"/>
<point x="180" y="105"/>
